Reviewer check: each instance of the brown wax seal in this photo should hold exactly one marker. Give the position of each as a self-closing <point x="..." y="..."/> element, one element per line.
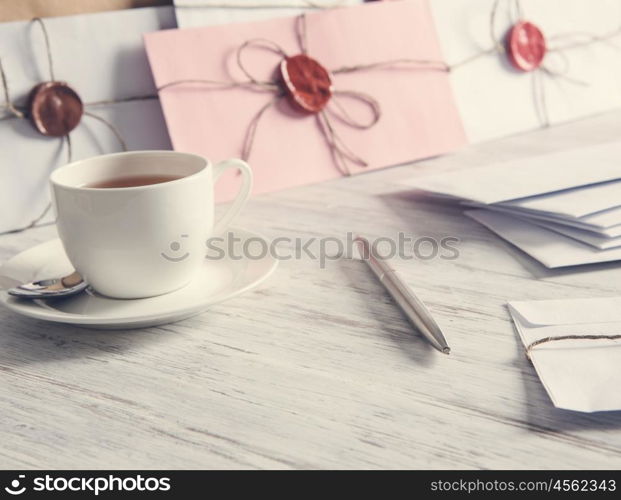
<point x="526" y="46"/>
<point x="55" y="109"/>
<point x="307" y="83"/>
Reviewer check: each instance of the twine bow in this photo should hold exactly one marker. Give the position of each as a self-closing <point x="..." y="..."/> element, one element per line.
<point x="341" y="153"/>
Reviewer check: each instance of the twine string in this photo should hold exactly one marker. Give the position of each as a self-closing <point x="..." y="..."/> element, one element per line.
<point x="497" y="45"/>
<point x="48" y="206"/>
<point x="539" y="94"/>
<point x="8" y="103"/>
<point x="33" y="223"/>
<point x="301" y="33"/>
<point x="341" y="153"/>
<point x="328" y="134"/>
<point x="580" y="39"/>
<point x="216" y="84"/>
<point x="105" y="102"/>
<point x="474" y="57"/>
<point x="67" y="139"/>
<point x="48" y="46"/>
<point x="517" y="11"/>
<point x="115" y="131"/>
<point x="252" y="128"/>
<point x="396" y="64"/>
<point x="261" y="43"/>
<point x="558" y="338"/>
<point x="13" y="109"/>
<point x="252" y="82"/>
<point x="565" y="66"/>
<point x="339" y="150"/>
<point x="539" y="99"/>
<point x="340" y="147"/>
<point x="339" y="111"/>
<point x="492" y="24"/>
<point x="563" y="76"/>
<point x="36" y="220"/>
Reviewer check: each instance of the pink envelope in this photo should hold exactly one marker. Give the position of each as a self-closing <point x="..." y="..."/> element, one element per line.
<point x="418" y="118"/>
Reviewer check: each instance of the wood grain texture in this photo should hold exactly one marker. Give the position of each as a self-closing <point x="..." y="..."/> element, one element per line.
<point x="317" y="368"/>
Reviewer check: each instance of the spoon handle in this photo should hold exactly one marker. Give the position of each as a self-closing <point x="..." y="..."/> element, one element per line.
<point x="50" y="288"/>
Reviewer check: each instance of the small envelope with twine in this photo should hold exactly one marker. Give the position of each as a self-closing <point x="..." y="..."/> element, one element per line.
<point x="70" y="88"/>
<point x="309" y="98"/>
<point x="518" y="65"/>
<point x="575" y="347"/>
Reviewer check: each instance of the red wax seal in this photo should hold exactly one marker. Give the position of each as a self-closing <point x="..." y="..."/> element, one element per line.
<point x="55" y="109"/>
<point x="526" y="46"/>
<point x="307" y="83"/>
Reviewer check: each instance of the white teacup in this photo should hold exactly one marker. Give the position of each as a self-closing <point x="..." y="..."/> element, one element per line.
<point x="133" y="242"/>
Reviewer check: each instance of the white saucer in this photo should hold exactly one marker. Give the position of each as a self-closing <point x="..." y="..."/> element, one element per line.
<point x="216" y="281"/>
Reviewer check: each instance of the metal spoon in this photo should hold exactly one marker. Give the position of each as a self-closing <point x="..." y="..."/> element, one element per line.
<point x="47" y="289"/>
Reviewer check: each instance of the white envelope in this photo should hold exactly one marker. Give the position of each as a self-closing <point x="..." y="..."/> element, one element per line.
<point x="606" y="222"/>
<point x="522" y="178"/>
<point x="592" y="223"/>
<point x="596" y="240"/>
<point x="102" y="57"/>
<point x="581" y="375"/>
<point x="191" y="13"/>
<point x="494" y="99"/>
<point x="604" y="219"/>
<point x="548" y="247"/>
<point x="575" y="203"/>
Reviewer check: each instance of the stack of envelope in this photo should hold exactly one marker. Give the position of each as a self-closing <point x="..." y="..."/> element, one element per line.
<point x="563" y="209"/>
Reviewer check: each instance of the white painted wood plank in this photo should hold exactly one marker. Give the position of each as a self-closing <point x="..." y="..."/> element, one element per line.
<point x="318" y="369"/>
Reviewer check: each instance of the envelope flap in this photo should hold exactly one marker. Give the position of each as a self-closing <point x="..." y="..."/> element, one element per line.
<point x="568" y="311"/>
<point x="521" y="178"/>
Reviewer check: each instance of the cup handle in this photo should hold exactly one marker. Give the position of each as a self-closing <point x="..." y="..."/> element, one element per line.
<point x="242" y="196"/>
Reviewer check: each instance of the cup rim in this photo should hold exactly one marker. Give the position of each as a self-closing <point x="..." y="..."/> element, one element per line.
<point x="76" y="164"/>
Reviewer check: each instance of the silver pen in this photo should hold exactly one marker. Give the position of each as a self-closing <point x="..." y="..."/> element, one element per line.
<point x="409" y="303"/>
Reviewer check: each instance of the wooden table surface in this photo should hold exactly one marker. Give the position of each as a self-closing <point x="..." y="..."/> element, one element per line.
<point x="317" y="368"/>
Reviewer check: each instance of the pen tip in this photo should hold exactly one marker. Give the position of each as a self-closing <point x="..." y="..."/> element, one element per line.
<point x="446" y="350"/>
